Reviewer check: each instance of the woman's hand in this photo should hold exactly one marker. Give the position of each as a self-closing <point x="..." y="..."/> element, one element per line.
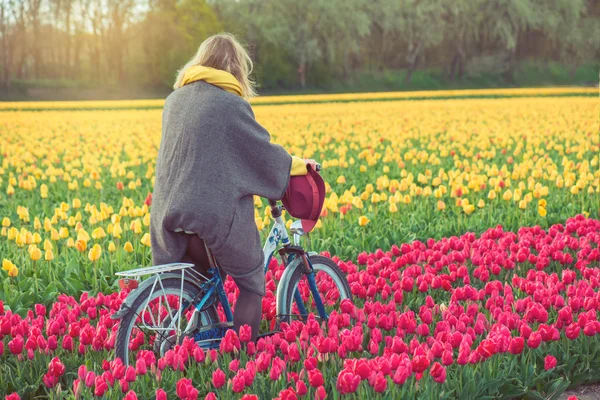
<point x="315" y="165"/>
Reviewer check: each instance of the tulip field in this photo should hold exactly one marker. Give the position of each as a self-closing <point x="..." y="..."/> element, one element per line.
<point x="468" y="227"/>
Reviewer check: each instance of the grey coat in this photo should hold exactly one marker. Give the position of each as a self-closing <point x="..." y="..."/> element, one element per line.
<point x="213" y="158"/>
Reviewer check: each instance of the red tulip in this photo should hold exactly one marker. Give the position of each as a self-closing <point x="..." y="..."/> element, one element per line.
<point x="40" y="310"/>
<point x="535" y="339"/>
<point x="589" y="329"/>
<point x="315" y="378"/>
<point x="13" y="396"/>
<point x="301" y="388"/>
<point x="245" y="333"/>
<point x="16" y="345"/>
<point x="218" y="378"/>
<point x="140" y="366"/>
<point x="211" y="396"/>
<point x="161" y="394"/>
<point x="131" y="395"/>
<point x="100" y="386"/>
<point x="420" y="363"/>
<point x="549" y="362"/>
<point x="447" y="358"/>
<point x="516" y="345"/>
<point x="238" y="383"/>
<point x="56" y="368"/>
<point x="401" y="375"/>
<point x="438" y="373"/>
<point x="130" y="374"/>
<point x="320" y="394"/>
<point x="347" y="382"/>
<point x="183" y="386"/>
<point x="378" y="382"/>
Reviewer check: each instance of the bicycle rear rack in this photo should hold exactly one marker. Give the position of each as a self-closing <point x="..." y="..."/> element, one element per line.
<point x="155" y="269"/>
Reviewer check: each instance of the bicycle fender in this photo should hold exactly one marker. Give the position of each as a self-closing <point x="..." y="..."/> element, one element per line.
<point x="282" y="287"/>
<point x="131" y="297"/>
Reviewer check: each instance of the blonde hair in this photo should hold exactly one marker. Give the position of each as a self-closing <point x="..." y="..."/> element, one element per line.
<point x="224" y="52"/>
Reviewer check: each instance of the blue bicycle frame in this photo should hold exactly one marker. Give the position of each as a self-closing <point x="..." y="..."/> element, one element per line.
<point x="278" y="235"/>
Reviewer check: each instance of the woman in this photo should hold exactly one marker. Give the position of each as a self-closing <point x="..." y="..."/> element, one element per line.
<point x="213" y="158"/>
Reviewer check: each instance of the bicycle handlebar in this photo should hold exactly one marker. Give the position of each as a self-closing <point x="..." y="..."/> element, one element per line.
<point x="273" y="203"/>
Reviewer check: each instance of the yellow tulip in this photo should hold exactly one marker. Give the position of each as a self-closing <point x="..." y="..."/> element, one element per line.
<point x="6" y="221"/>
<point x="117" y="230"/>
<point x="10" y="190"/>
<point x="507" y="195"/>
<point x="128" y="247"/>
<point x="49" y="255"/>
<point x="146" y="240"/>
<point x="522" y="204"/>
<point x="542" y="211"/>
<point x="21" y="239"/>
<point x="441" y="205"/>
<point x="81" y="245"/>
<point x="111" y="247"/>
<point x="76" y="203"/>
<point x="7" y="264"/>
<point x="44" y="191"/>
<point x="70" y="242"/>
<point x="341" y="179"/>
<point x="393" y="208"/>
<point x="98" y="233"/>
<point x="468" y="208"/>
<point x="13" y="272"/>
<point x="83" y="235"/>
<point x="363" y="220"/>
<point x="35" y="254"/>
<point x="95" y="252"/>
<point x="481" y="203"/>
<point x="63" y="233"/>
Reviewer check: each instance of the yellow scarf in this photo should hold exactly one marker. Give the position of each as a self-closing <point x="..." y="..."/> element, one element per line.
<point x="217" y="77"/>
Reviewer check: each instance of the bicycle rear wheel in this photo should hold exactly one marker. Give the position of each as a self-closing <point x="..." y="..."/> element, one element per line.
<point x="331" y="286"/>
<point x="157" y="315"/>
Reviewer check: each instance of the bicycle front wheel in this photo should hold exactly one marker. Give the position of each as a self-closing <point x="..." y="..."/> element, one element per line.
<point x="319" y="293"/>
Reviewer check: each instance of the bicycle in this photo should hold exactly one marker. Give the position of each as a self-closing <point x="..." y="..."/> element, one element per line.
<point x="176" y="296"/>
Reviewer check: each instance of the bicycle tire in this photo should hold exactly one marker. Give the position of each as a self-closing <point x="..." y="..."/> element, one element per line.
<point x="171" y="286"/>
<point x="320" y="264"/>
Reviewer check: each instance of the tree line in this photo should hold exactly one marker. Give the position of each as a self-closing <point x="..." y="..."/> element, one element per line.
<point x="295" y="43"/>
